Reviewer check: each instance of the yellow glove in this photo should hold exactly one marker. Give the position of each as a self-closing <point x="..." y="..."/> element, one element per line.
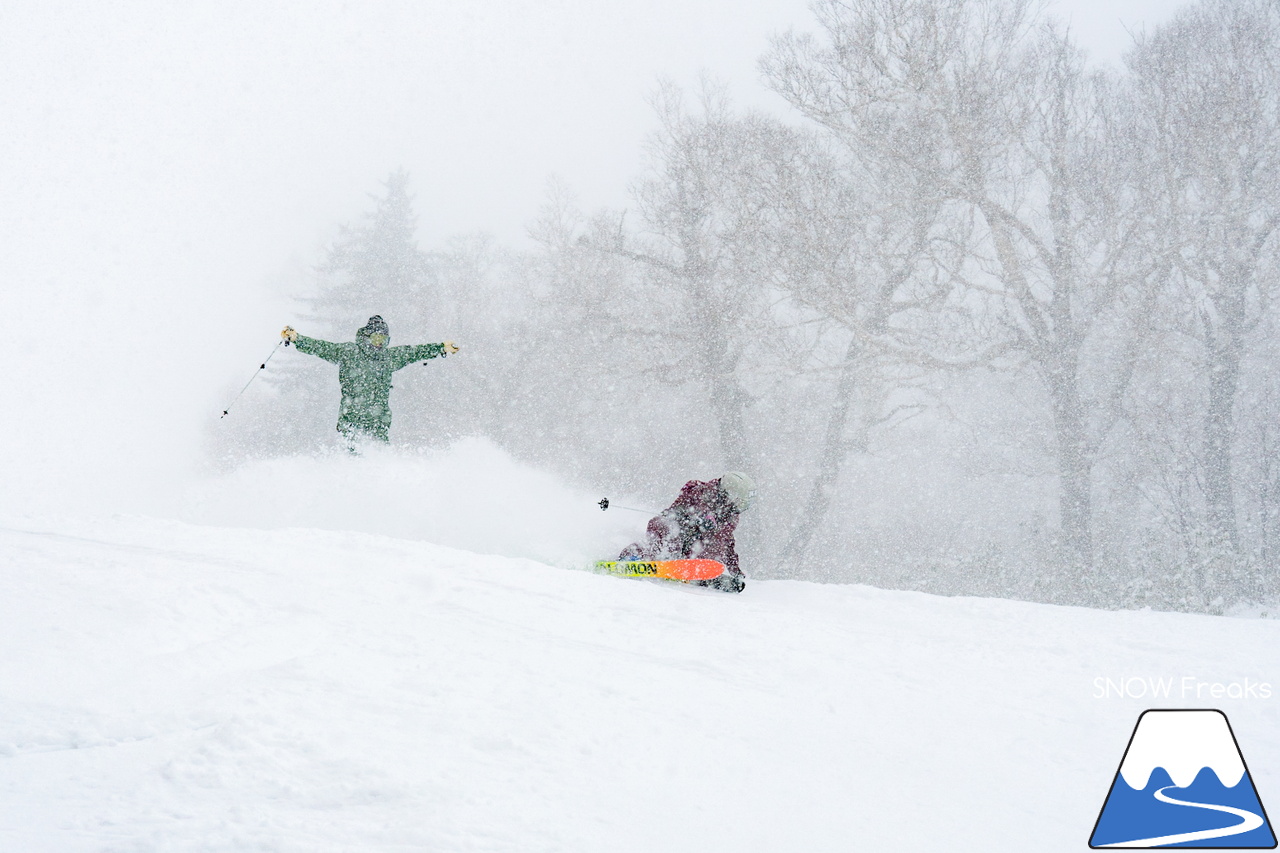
<point x="289" y="334"/>
<point x="450" y="347"/>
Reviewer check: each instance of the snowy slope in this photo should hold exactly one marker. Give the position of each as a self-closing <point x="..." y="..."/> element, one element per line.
<point x="176" y="687"/>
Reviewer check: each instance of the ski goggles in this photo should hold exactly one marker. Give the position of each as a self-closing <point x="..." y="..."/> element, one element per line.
<point x="379" y="340"/>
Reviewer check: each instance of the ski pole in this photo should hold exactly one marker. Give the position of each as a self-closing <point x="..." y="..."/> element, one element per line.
<point x="604" y="504"/>
<point x="261" y="367"/>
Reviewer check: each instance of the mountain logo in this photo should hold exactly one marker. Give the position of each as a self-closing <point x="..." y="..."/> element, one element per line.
<point x="1183" y="783"/>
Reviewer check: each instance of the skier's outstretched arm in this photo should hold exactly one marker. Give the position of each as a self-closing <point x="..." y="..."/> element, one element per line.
<point x="327" y="350"/>
<point x="405" y="355"/>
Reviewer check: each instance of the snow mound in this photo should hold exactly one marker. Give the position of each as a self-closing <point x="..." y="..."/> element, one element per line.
<point x="472" y="496"/>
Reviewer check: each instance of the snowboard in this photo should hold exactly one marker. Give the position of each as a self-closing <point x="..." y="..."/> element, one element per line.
<point x="676" y="570"/>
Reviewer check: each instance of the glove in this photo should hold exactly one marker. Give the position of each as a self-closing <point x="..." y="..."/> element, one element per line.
<point x="289" y="335"/>
<point x="450" y="347"/>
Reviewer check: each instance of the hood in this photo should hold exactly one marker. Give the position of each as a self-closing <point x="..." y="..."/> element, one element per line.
<point x="375" y="326"/>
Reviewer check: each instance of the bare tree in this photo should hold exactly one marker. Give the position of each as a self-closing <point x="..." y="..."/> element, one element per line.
<point x="697" y="247"/>
<point x="1209" y="86"/>
<point x="608" y="360"/>
<point x="1000" y="116"/>
<point x="852" y="242"/>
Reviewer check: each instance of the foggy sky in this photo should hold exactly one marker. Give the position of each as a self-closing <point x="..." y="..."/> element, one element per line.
<point x="164" y="166"/>
<point x="285" y="114"/>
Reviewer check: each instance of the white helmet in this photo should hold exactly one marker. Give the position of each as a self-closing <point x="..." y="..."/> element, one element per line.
<point x="739" y="488"/>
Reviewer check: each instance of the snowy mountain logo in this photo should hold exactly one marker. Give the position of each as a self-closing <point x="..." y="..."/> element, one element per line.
<point x="1183" y="783"/>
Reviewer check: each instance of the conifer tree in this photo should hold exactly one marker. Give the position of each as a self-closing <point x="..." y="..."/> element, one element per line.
<point x="374" y="266"/>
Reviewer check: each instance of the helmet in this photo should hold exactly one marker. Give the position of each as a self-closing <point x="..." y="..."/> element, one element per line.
<point x="739" y="489"/>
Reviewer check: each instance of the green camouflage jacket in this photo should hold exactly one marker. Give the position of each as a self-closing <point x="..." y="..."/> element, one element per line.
<point x="364" y="372"/>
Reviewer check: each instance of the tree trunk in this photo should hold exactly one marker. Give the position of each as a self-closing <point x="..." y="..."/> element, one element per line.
<point x="717" y="364"/>
<point x="830" y="460"/>
<point x="1225" y="346"/>
<point x="1075" y="503"/>
<point x="1055" y="348"/>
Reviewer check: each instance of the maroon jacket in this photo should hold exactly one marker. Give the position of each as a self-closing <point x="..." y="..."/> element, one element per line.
<point x="699" y="524"/>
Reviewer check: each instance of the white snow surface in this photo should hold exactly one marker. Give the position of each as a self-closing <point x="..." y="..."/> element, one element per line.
<point x="1183" y="743"/>
<point x="289" y="669"/>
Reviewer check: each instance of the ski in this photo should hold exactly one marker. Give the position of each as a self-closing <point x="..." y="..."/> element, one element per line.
<point x="676" y="570"/>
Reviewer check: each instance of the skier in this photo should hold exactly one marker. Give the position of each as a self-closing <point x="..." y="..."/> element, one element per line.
<point x="699" y="524"/>
<point x="364" y="372"/>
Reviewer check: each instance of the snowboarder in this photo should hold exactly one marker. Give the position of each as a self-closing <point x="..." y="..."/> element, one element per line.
<point x="699" y="524"/>
<point x="364" y="372"/>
